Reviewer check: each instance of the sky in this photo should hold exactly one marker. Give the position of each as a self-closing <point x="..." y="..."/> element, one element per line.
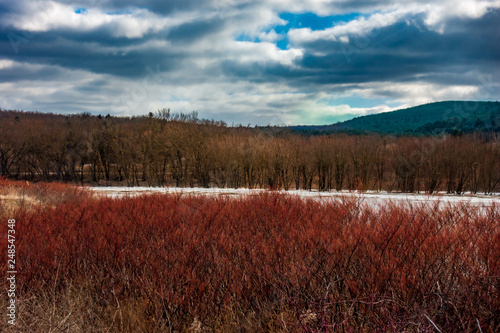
<point x="257" y="62"/>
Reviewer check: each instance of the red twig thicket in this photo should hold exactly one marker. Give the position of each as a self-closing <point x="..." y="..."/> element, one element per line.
<point x="270" y="262"/>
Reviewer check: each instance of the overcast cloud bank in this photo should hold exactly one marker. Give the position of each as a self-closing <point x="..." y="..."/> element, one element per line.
<point x="258" y="62"/>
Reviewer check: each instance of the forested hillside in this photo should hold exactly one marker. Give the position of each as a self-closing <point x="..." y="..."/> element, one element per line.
<point x="450" y="117"/>
<point x="163" y="149"/>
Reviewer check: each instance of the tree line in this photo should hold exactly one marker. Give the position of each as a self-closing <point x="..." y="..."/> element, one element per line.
<point x="164" y="149"/>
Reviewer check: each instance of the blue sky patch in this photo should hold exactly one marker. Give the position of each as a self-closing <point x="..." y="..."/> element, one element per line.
<point x="81" y="11"/>
<point x="312" y="21"/>
<point x="282" y="44"/>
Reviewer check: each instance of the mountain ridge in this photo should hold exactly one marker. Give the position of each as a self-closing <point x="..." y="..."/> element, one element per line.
<point x="451" y="117"/>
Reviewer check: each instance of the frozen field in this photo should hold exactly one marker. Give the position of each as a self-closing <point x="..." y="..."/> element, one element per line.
<point x="367" y="197"/>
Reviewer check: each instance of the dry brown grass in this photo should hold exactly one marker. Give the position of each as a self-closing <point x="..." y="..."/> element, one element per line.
<point x="26" y="196"/>
<point x="80" y="309"/>
<point x="13" y="201"/>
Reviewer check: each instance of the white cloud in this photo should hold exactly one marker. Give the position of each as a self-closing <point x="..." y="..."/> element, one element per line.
<point x="344" y="39"/>
<point x="51" y="15"/>
<point x="270" y="36"/>
<point x="5" y="63"/>
<point x="415" y="93"/>
<point x="439" y="12"/>
<point x="249" y="52"/>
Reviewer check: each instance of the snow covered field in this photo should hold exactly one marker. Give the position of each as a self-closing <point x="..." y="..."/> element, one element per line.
<point x="372" y="198"/>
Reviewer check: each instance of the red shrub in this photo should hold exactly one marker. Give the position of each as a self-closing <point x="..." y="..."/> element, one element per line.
<point x="271" y="261"/>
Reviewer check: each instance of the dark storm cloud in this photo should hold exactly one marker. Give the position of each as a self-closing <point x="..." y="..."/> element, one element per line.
<point x="403" y="51"/>
<point x="51" y="49"/>
<point x="25" y="73"/>
<point x="7" y="7"/>
<point x="159" y="6"/>
<point x="189" y="32"/>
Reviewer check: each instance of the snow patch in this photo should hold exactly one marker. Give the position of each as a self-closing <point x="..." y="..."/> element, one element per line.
<point x="369" y="197"/>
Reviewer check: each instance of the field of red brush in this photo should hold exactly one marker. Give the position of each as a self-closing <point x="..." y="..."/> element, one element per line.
<point x="264" y="263"/>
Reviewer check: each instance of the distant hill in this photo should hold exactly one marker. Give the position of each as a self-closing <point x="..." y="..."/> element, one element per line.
<point x="452" y="117"/>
